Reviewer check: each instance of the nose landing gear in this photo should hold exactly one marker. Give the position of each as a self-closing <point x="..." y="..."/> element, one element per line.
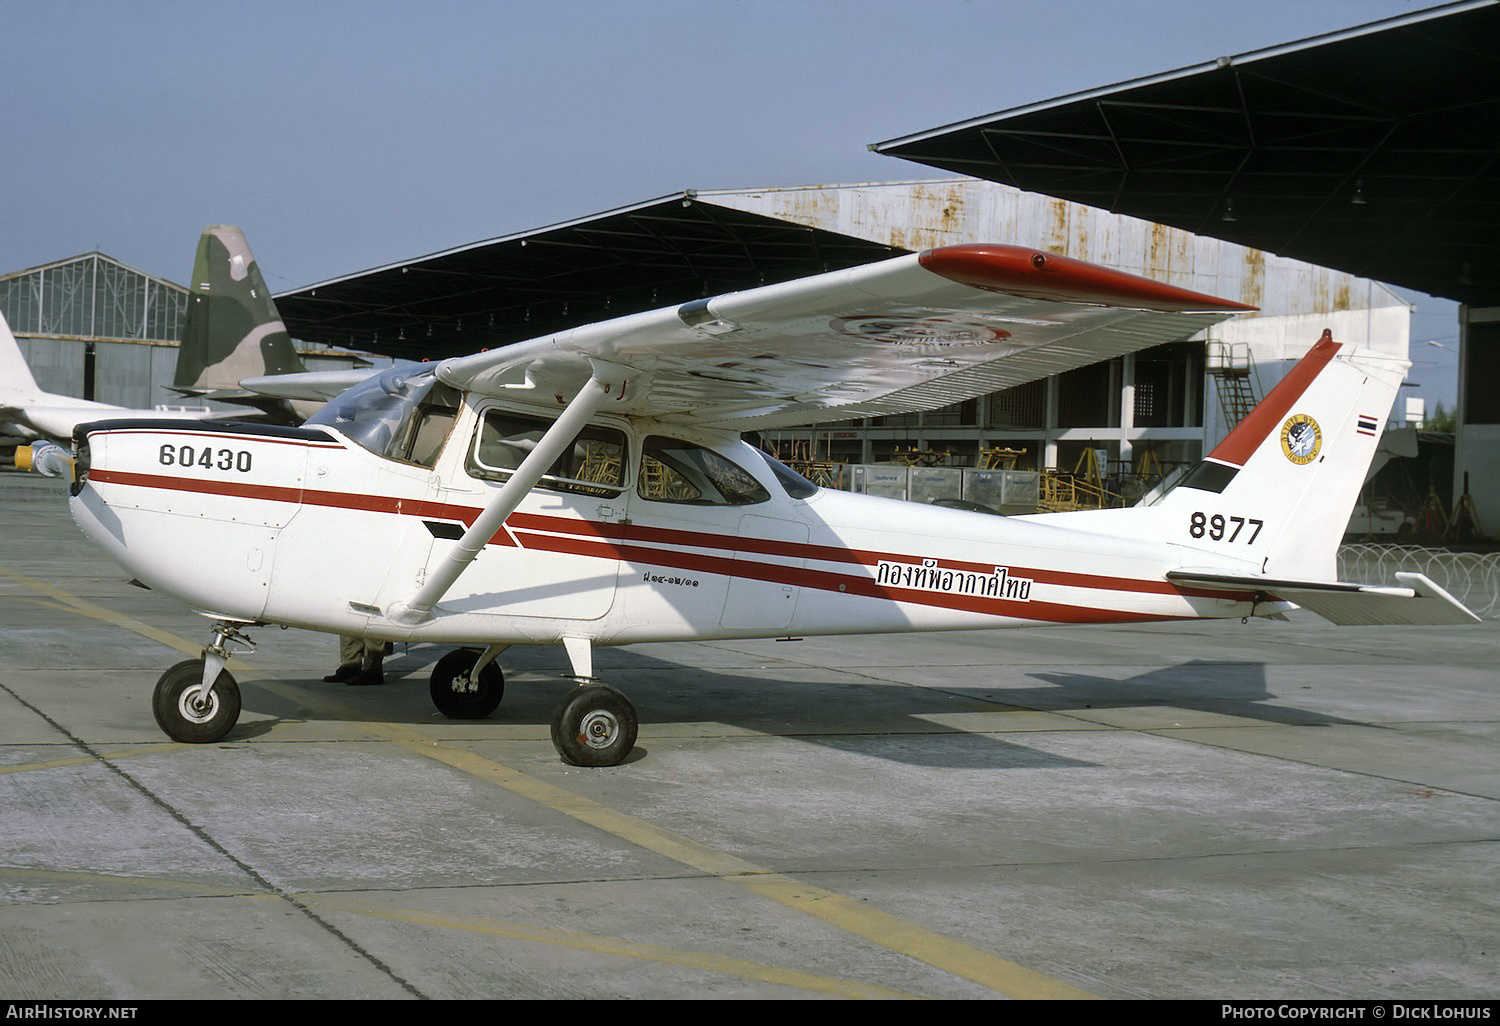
<point x="468" y="685"/>
<point x="197" y="701"/>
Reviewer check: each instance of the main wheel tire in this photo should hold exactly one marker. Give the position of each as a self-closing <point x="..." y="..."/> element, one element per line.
<point x="459" y="698"/>
<point x="195" y="723"/>
<point x="594" y="726"/>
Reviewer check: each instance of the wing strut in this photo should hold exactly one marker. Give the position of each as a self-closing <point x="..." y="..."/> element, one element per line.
<point x="607" y="382"/>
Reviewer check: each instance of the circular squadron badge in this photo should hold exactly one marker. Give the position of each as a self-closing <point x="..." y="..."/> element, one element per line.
<point x="920" y="332"/>
<point x="1301" y="438"/>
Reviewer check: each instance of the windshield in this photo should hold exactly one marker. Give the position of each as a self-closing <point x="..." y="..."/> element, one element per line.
<point x="795" y="485"/>
<point x="374" y="412"/>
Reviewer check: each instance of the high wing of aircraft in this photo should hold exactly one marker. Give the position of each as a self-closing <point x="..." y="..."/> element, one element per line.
<point x="931" y="329"/>
<point x="232" y="331"/>
<point x="591" y="488"/>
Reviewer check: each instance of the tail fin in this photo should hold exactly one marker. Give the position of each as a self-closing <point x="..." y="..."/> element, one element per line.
<point x="16" y="380"/>
<point x="233" y="329"/>
<point x="1282" y="485"/>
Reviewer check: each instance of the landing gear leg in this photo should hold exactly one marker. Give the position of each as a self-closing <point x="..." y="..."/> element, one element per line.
<point x="197" y="701"/>
<point x="595" y="725"/>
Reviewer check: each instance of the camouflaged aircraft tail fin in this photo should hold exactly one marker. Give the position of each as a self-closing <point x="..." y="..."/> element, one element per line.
<point x="233" y="329"/>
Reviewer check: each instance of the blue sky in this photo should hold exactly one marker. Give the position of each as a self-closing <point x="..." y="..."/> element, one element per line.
<point x="343" y="135"/>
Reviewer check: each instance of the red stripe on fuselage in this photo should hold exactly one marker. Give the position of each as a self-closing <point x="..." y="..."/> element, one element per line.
<point x="602" y="540"/>
<point x="307" y="443"/>
<point x="832" y="553"/>
<point x="299" y="496"/>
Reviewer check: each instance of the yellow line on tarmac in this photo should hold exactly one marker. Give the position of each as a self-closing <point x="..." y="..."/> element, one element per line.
<point x="737" y="967"/>
<point x="97" y="612"/>
<point x="81" y="760"/>
<point x="837" y="910"/>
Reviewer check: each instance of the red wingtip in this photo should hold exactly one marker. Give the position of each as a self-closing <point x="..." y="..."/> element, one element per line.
<point x="1019" y="271"/>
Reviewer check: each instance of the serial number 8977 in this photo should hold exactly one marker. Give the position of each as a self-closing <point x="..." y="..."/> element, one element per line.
<point x="1217" y="526"/>
<point x="206" y="457"/>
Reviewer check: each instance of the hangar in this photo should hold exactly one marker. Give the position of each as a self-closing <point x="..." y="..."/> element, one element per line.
<point x="1373" y="150"/>
<point x="92" y="327"/>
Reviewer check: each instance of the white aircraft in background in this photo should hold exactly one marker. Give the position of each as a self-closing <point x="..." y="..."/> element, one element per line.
<point x="48" y="415"/>
<point x="232" y="331"/>
<point x="591" y="488"/>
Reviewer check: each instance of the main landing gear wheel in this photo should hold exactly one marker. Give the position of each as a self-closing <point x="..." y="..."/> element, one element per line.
<point x="186" y="716"/>
<point x="459" y="697"/>
<point x="594" y="726"/>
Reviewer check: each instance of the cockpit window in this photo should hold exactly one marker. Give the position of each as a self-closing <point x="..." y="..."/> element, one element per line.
<point x="403" y="413"/>
<point x="678" y="471"/>
<point x="593" y="465"/>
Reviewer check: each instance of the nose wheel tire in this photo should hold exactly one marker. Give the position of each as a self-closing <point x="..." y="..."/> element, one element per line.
<point x="594" y="726"/>
<point x="458" y="696"/>
<point x="185" y="716"/>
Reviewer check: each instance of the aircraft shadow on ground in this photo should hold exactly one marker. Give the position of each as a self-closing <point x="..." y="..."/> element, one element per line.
<point x="1237" y="689"/>
<point x="884" y="720"/>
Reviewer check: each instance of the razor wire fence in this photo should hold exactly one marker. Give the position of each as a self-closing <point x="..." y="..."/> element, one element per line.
<point x="1471" y="577"/>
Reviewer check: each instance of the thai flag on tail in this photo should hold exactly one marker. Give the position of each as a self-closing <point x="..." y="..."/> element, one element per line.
<point x="1367" y="424"/>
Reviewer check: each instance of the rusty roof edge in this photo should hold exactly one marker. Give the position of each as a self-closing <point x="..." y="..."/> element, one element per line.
<point x="1392" y="297"/>
<point x="823" y="186"/>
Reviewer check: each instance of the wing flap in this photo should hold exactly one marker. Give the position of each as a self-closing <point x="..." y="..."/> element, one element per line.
<point x="1419" y="602"/>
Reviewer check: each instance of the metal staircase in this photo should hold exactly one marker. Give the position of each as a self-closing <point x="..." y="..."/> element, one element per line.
<point x="1233" y="369"/>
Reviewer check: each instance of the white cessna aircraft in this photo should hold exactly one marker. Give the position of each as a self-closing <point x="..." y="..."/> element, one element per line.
<point x="591" y="488"/>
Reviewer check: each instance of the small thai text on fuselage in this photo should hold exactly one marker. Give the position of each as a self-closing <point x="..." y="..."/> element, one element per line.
<point x="928" y="576"/>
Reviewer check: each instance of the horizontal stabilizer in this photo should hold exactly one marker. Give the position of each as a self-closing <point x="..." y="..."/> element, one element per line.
<point x="309" y="385"/>
<point x="1420" y="602"/>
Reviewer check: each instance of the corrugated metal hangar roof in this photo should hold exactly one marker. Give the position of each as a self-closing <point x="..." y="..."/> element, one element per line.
<point x="1375" y="150"/>
<point x="653" y="254"/>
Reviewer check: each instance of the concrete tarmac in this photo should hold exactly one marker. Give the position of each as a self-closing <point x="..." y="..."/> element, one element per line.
<point x="1219" y="811"/>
